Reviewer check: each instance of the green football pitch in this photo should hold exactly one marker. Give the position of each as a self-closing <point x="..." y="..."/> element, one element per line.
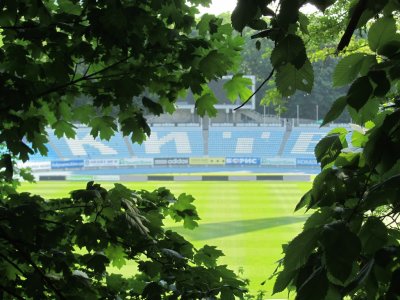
<point x="248" y="221"/>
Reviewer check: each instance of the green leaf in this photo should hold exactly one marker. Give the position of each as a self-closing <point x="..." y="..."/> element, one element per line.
<point x="394" y="290"/>
<point x="97" y="261"/>
<point x="303" y="22"/>
<point x="258" y="45"/>
<point x="289" y="50"/>
<point x="6" y="163"/>
<point x="328" y="188"/>
<point x="205" y="105"/>
<point x="104" y="126"/>
<point x="300" y="248"/>
<point x="348" y="68"/>
<point x="184" y="209"/>
<point x="208" y="256"/>
<point x="381" y="81"/>
<point x="289" y="79"/>
<point x="115" y="282"/>
<point x="315" y="287"/>
<point x="184" y="203"/>
<point x="83" y="113"/>
<point x="227" y="294"/>
<point x="133" y="123"/>
<point x="384" y="192"/>
<point x="282" y="280"/>
<point x="373" y="235"/>
<point x="381" y="32"/>
<point x="358" y="139"/>
<point x="304" y="201"/>
<point x="150" y="268"/>
<point x="319" y="218"/>
<point x="213" y="64"/>
<point x="360" y="278"/>
<point x="189" y="223"/>
<point x="204" y="24"/>
<point x="62" y="128"/>
<point x="116" y="254"/>
<point x="244" y="12"/>
<point x="359" y="93"/>
<point x="366" y="113"/>
<point x="154" y="107"/>
<point x="238" y="87"/>
<point x="258" y="24"/>
<point x="341" y="249"/>
<point x="172" y="253"/>
<point x="89" y="235"/>
<point x="64" y="110"/>
<point x="335" y="111"/>
<point x="329" y="148"/>
<point x="390" y="48"/>
<point x="39" y="142"/>
<point x="348" y="160"/>
<point x="288" y="14"/>
<point x="167" y="105"/>
<point x="70" y="7"/>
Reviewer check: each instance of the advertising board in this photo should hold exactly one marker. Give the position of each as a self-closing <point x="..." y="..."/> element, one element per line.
<point x="102" y="163"/>
<point x="136" y="162"/>
<point x="171" y="161"/>
<point x="306" y="162"/>
<point x="36" y="165"/>
<point x="106" y="177"/>
<point x="67" y="164"/>
<point x="207" y="161"/>
<point x="79" y="178"/>
<point x="250" y="161"/>
<point x="278" y="161"/>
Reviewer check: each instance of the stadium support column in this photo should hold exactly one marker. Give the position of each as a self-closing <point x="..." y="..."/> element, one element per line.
<point x="206" y="125"/>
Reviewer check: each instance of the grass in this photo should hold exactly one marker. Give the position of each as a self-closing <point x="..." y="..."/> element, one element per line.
<point x="248" y="221"/>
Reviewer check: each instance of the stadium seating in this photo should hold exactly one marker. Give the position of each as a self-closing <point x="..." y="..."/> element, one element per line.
<point x="245" y="141"/>
<point x="303" y="140"/>
<point x="164" y="142"/>
<point x="188" y="141"/>
<point x="84" y="146"/>
<point x="171" y="142"/>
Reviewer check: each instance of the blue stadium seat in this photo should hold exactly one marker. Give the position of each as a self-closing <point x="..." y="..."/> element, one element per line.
<point x="245" y="141"/>
<point x="187" y="141"/>
<point x="171" y="142"/>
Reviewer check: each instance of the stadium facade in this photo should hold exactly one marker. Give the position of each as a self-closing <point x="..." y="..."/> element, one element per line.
<point x="234" y="138"/>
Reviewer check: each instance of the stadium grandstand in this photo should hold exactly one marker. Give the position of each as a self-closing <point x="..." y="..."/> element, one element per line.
<point x="188" y="144"/>
<point x="232" y="139"/>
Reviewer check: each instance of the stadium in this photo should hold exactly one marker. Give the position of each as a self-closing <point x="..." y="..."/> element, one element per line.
<point x="246" y="171"/>
<point x="236" y="141"/>
<point x="153" y="150"/>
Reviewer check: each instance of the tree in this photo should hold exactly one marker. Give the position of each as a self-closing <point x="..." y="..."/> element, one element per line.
<point x="96" y="63"/>
<point x="318" y="39"/>
<point x="349" y="246"/>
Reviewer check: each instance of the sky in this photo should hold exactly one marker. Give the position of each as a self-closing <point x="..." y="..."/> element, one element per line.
<point x="220" y="6"/>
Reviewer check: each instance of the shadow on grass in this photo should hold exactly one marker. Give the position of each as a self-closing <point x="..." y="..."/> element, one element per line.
<point x="222" y="229"/>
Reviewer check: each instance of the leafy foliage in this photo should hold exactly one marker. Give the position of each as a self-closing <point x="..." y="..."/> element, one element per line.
<point x="349" y="246"/>
<point x="105" y="64"/>
<point x="84" y="62"/>
<point x="63" y="247"/>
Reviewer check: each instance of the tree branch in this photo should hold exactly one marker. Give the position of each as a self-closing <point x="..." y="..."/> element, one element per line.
<point x="351" y="27"/>
<point x="85" y="77"/>
<point x="256" y="91"/>
<point x="29" y="259"/>
<point x="13" y="264"/>
<point x="10" y="292"/>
